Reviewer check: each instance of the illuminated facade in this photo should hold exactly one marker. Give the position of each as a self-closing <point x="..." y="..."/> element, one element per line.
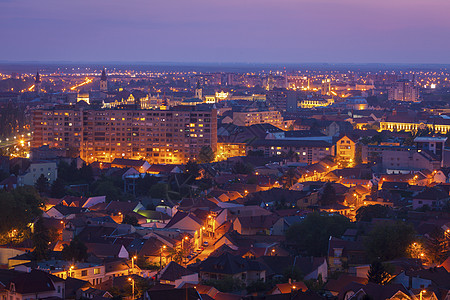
<point x="226" y="150"/>
<point x="414" y="126"/>
<point x="311" y="103"/>
<point x="345" y="149"/>
<point x="258" y="117"/>
<point x="158" y="136"/>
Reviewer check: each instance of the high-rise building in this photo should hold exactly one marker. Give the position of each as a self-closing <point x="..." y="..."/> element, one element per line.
<point x="403" y="90"/>
<point x="103" y="81"/>
<point x="159" y="136"/>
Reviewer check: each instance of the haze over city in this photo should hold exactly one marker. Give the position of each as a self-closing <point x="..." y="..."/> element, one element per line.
<point x="286" y="31"/>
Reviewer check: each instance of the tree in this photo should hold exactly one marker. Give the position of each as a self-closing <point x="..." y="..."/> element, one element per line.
<point x="377" y="273"/>
<point x="132" y="220"/>
<point x="206" y="155"/>
<point x="312" y="234"/>
<point x="86" y="173"/>
<point x="328" y="196"/>
<point x="192" y="170"/>
<point x="290" y="178"/>
<point x="437" y="246"/>
<point x="389" y="240"/>
<point x="227" y="284"/>
<point x="75" y="251"/>
<point x="241" y="168"/>
<point x="159" y="191"/>
<point x="42" y="184"/>
<point x="106" y="187"/>
<point x="367" y="213"/>
<point x="19" y="208"/>
<point x="41" y="239"/>
<point x="57" y="189"/>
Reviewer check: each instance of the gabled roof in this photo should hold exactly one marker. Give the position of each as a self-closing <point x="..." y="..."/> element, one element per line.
<point x="229" y="264"/>
<point x="180" y="216"/>
<point x="376" y="291"/>
<point x="34" y="282"/>
<point x="174" y="271"/>
<point x="67" y="210"/>
<point x="185" y="294"/>
<point x="128" y="162"/>
<point x="104" y="250"/>
<point x="432" y="193"/>
<point x="438" y="275"/>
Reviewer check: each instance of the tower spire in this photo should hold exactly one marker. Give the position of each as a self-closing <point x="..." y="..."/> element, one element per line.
<point x="103" y="81"/>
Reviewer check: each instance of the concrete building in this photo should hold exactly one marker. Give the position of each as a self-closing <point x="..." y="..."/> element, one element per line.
<point x="258" y="117"/>
<point x="403" y="90"/>
<point x="308" y="151"/>
<point x="47" y="168"/>
<point x="158" y="136"/>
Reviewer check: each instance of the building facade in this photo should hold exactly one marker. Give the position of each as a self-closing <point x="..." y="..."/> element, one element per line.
<point x="158" y="136"/>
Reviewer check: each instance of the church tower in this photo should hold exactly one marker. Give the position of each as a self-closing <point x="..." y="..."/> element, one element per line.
<point x="199" y="91"/>
<point x="103" y="81"/>
<point x="37" y="83"/>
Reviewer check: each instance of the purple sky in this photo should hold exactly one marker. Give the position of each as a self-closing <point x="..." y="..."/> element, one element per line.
<point x="358" y="31"/>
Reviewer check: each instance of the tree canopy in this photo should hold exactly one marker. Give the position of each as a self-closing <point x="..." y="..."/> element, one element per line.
<point x="19" y="208"/>
<point x="367" y="213"/>
<point x="389" y="240"/>
<point x="312" y="234"/>
<point x="206" y="155"/>
<point x="75" y="251"/>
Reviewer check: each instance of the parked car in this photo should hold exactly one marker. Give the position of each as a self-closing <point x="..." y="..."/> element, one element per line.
<point x="205" y="244"/>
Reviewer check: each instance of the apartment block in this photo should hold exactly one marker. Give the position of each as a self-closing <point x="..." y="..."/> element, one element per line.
<point x="158" y="136"/>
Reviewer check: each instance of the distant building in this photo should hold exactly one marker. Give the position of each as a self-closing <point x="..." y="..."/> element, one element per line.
<point x="404" y="90"/>
<point x="103" y="81"/>
<point x="37" y="83"/>
<point x="345" y="149"/>
<point x="248" y="118"/>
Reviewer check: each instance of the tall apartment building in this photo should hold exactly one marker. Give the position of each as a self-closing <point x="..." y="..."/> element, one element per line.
<point x="403" y="90"/>
<point x="159" y="136"/>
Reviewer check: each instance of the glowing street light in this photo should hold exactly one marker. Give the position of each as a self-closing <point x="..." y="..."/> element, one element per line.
<point x="132" y="286"/>
<point x="132" y="264"/>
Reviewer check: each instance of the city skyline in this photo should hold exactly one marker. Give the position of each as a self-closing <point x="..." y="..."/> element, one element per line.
<point x="248" y="32"/>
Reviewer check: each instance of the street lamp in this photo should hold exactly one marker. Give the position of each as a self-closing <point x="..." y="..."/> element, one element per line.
<point x="69" y="271"/>
<point x="132" y="286"/>
<point x="160" y="256"/>
<point x="132" y="264"/>
<point x="420" y="294"/>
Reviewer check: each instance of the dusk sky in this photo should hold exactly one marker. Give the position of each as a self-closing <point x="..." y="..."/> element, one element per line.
<point x="341" y="31"/>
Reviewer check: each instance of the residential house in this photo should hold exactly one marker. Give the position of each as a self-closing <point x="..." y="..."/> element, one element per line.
<point x="185" y="294"/>
<point x="139" y="165"/>
<point x="246" y="270"/>
<point x="433" y="197"/>
<point x="35" y="284"/>
<point x="343" y="254"/>
<point x="177" y="275"/>
<point x="356" y="291"/>
<point x="9" y="183"/>
<point x="35" y="170"/>
<point x="282" y="225"/>
<point x="251" y="225"/>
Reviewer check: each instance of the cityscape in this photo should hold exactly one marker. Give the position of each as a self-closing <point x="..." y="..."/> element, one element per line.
<point x="176" y="167"/>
